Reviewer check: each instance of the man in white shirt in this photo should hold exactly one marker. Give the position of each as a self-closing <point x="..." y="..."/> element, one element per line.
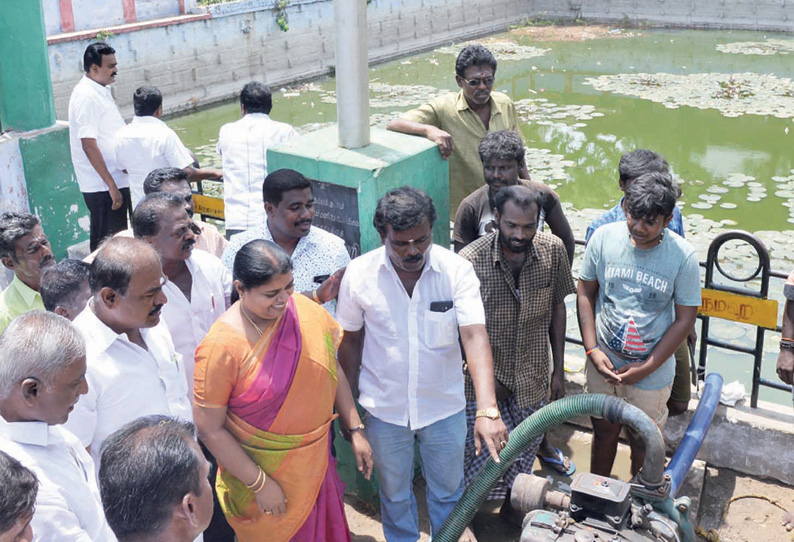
<point x="133" y="369"/>
<point x="198" y="287"/>
<point x="154" y="481"/>
<point x="18" y="491"/>
<point x="147" y="143"/>
<point x="40" y="382"/>
<point x="94" y="120"/>
<point x="413" y="300"/>
<point x="318" y="257"/>
<point x="64" y="288"/>
<point x="175" y="181"/>
<point x="243" y="148"/>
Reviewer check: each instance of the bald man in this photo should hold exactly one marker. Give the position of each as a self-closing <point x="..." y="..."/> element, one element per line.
<point x="133" y="369"/>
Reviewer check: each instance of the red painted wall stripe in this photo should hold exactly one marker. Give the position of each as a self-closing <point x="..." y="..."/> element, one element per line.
<point x="129" y="11"/>
<point x="181" y="7"/>
<point x="67" y="15"/>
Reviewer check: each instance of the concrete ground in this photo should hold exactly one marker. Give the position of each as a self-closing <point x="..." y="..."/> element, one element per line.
<point x="751" y="519"/>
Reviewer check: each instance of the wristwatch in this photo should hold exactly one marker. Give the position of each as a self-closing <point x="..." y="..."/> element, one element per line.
<point x="492" y="413"/>
<point x="359" y="427"/>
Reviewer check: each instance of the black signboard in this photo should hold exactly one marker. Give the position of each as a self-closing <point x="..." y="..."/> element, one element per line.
<point x="336" y="211"/>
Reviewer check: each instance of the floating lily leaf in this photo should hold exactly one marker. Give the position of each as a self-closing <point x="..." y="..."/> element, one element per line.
<point x="731" y="94"/>
<point x="768" y="47"/>
<point x="502" y="49"/>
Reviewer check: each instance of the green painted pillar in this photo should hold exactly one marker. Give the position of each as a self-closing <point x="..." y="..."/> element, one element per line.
<point x="26" y="101"/>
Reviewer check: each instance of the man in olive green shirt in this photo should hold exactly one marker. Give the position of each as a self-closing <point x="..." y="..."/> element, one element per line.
<point x="457" y="122"/>
<point x="25" y="250"/>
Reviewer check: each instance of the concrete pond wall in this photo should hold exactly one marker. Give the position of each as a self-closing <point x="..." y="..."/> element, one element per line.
<point x="205" y="57"/>
<point x="199" y="55"/>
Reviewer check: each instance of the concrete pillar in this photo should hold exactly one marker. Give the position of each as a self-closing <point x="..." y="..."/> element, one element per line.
<point x="26" y="101"/>
<point x="352" y="77"/>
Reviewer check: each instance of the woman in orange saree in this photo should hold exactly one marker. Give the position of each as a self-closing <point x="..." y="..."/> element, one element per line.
<point x="266" y="383"/>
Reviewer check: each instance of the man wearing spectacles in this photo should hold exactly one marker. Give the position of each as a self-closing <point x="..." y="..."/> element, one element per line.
<point x="457" y="122"/>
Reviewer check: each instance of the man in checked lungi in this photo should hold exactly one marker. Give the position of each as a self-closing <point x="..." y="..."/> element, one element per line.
<point x="524" y="279"/>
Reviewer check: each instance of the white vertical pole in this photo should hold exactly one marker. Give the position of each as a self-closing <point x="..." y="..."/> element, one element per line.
<point x="352" y="77"/>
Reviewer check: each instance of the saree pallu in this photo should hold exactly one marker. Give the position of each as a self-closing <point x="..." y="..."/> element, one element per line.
<point x="282" y="420"/>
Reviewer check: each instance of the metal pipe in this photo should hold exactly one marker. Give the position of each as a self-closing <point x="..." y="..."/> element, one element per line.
<point x="352" y="78"/>
<point x="696" y="432"/>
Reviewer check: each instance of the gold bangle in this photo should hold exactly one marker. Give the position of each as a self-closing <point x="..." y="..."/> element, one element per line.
<point x="316" y="298"/>
<point x="261" y="486"/>
<point x="256" y="482"/>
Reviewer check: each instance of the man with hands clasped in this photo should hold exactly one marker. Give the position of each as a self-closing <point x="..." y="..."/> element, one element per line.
<point x="638" y="296"/>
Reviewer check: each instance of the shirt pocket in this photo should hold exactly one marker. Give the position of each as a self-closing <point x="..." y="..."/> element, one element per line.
<point x="538" y="303"/>
<point x="440" y="328"/>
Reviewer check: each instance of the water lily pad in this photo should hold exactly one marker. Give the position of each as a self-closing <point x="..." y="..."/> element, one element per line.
<point x="701" y="205"/>
<point x="717" y="190"/>
<point x="502" y="50"/>
<point x="768" y="47"/>
<point x="383" y="95"/>
<point x="727" y="205"/>
<point x="733" y="94"/>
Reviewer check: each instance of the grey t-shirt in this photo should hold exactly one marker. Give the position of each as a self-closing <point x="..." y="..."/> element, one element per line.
<point x="638" y="289"/>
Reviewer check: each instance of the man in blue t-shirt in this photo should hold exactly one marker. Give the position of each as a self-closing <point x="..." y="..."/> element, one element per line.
<point x="638" y="296"/>
<point x="631" y="166"/>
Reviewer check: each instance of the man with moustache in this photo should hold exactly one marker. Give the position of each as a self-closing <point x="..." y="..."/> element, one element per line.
<point x="403" y="308"/>
<point x="198" y="286"/>
<point x="198" y="291"/>
<point x="175" y="181"/>
<point x="133" y="369"/>
<point x="25" y="250"/>
<point x="318" y="257"/>
<point x="40" y="382"/>
<point x="524" y="278"/>
<point x="94" y="120"/>
<point x="457" y="122"/>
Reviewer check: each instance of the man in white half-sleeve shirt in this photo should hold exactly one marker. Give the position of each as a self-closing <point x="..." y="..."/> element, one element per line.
<point x="147" y="143"/>
<point x="40" y="382"/>
<point x="243" y="148"/>
<point x="198" y="287"/>
<point x="133" y="369"/>
<point x="413" y="300"/>
<point x="318" y="257"/>
<point x="94" y="120"/>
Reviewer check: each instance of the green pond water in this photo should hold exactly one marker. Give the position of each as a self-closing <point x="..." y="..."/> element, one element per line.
<point x="719" y="111"/>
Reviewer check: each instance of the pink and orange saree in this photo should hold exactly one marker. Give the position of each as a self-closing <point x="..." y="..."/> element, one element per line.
<point x="279" y="397"/>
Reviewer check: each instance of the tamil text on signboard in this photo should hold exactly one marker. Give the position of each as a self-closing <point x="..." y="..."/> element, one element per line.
<point x="739" y="308"/>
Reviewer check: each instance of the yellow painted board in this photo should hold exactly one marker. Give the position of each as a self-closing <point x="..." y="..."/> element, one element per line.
<point x="739" y="308"/>
<point x="207" y="205"/>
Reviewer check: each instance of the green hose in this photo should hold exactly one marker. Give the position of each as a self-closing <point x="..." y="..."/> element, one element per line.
<point x="522" y="436"/>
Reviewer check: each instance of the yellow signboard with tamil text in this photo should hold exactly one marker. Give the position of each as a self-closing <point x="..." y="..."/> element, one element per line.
<point x="207" y="205"/>
<point x="739" y="308"/>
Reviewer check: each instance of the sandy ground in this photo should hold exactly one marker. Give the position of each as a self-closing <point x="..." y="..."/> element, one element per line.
<point x="748" y="520"/>
<point x="573" y="33"/>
